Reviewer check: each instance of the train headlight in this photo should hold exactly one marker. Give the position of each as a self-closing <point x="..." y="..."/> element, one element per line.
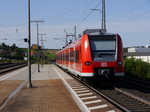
<point x="87" y="63"/>
<point x="120" y="63"/>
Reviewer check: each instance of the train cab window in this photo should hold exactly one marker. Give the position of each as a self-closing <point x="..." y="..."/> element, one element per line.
<point x="103" y="45"/>
<point x="103" y="48"/>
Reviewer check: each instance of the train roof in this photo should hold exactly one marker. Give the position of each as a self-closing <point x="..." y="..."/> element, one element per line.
<point x="91" y="32"/>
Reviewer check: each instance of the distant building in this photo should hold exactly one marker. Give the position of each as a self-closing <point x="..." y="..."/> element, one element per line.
<point x="139" y="49"/>
<point x="139" y="52"/>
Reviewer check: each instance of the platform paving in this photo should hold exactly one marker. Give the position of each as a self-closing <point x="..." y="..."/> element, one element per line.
<point x="47" y="95"/>
<point x="6" y="87"/>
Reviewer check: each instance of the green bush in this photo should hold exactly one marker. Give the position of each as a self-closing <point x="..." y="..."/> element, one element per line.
<point x="8" y="61"/>
<point x="137" y="68"/>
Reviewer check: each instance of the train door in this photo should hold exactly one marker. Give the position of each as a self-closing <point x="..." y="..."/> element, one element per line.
<point x="74" y="53"/>
<point x="67" y="58"/>
<point x="63" y="58"/>
<point x="78" y="57"/>
<point x="72" y="58"/>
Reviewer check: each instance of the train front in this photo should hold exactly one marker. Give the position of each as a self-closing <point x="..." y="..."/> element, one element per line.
<point x="106" y="54"/>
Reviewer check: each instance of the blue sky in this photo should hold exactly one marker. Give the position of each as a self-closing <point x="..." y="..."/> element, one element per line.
<point x="129" y="18"/>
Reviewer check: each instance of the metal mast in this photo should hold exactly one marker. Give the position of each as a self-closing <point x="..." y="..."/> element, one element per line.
<point x="66" y="38"/>
<point x="42" y="49"/>
<point x="29" y="46"/>
<point x="103" y="16"/>
<point x="75" y="33"/>
<point x="38" y="55"/>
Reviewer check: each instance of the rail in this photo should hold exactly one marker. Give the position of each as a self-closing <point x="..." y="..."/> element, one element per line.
<point x="8" y="67"/>
<point x="123" y="100"/>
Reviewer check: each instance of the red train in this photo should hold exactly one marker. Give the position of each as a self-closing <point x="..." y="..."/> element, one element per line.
<point x="94" y="54"/>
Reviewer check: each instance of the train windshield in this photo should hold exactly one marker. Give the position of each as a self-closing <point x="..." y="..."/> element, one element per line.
<point x="103" y="48"/>
<point x="103" y="45"/>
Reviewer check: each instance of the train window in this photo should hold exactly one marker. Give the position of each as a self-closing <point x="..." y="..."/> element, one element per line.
<point x="103" y="48"/>
<point x="77" y="55"/>
<point x="71" y="56"/>
<point x="103" y="45"/>
<point x="67" y="57"/>
<point x="64" y="58"/>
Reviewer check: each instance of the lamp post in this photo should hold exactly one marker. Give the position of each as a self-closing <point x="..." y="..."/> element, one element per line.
<point x="29" y="48"/>
<point x="38" y="56"/>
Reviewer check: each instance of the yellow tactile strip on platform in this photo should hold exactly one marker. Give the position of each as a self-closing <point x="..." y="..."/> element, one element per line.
<point x="45" y="96"/>
<point x="7" y="87"/>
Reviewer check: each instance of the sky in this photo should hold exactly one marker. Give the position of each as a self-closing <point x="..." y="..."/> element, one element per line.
<point x="129" y="18"/>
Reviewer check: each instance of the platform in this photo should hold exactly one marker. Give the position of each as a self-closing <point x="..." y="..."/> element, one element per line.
<point x="47" y="95"/>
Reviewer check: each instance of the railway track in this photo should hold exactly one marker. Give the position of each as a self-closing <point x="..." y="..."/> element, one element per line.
<point x="137" y="87"/>
<point x="1" y="64"/>
<point x="123" y="99"/>
<point x="128" y="97"/>
<point x="136" y="82"/>
<point x="132" y="103"/>
<point x="132" y="94"/>
<point x="105" y="94"/>
<point x="11" y="66"/>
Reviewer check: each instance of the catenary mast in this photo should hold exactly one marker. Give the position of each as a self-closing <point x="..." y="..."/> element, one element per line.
<point x="103" y="16"/>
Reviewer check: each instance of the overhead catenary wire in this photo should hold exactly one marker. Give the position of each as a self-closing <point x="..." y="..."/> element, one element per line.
<point x="131" y="10"/>
<point x="8" y="35"/>
<point x="85" y="10"/>
<point x="131" y="19"/>
<point x="5" y="27"/>
<point x="88" y="15"/>
<point x="69" y="10"/>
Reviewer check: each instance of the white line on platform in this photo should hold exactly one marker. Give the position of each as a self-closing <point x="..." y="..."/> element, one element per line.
<point x="73" y="82"/>
<point x="78" y="101"/>
<point x="111" y="111"/>
<point x="82" y="91"/>
<point x="15" y="91"/>
<point x="75" y="87"/>
<point x="85" y="94"/>
<point x="98" y="107"/>
<point x="12" y="74"/>
<point x="95" y="101"/>
<point x="19" y="88"/>
<point x="91" y="97"/>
